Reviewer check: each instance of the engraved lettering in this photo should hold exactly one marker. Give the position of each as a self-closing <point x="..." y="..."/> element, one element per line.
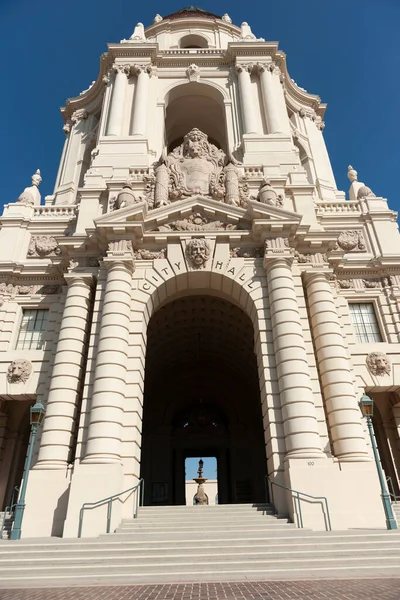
<point x="242" y="277"/>
<point x="178" y="265"/>
<point x="218" y="264"/>
<point x="165" y="270"/>
<point x="232" y="270"/>
<point x="148" y="286"/>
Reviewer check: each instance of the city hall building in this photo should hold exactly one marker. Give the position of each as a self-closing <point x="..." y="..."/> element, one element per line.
<point x="196" y="285"/>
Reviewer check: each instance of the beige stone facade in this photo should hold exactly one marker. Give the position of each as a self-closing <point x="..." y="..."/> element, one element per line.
<point x="197" y="286"/>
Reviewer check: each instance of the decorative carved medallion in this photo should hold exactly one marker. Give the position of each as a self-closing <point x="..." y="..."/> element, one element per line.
<point x="351" y="241"/>
<point x="197" y="222"/>
<point x="19" y="371"/>
<point x="370" y="283"/>
<point x="198" y="252"/>
<point x="43" y="245"/>
<point x="378" y="363"/>
<point x="345" y="284"/>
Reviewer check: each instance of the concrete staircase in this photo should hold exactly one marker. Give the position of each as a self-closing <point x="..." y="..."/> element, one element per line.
<point x="200" y="543"/>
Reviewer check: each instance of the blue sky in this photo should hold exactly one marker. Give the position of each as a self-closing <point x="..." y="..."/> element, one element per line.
<point x="346" y="51"/>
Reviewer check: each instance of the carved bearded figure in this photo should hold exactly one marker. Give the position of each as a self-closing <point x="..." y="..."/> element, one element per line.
<point x="194" y="167"/>
<point x="378" y="363"/>
<point x="19" y="371"/>
<point x="198" y="252"/>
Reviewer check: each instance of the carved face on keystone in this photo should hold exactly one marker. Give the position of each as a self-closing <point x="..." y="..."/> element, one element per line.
<point x="198" y="252"/>
<point x="19" y="371"/>
<point x="378" y="363"/>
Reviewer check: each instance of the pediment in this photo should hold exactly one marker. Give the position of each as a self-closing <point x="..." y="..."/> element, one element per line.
<point x="199" y="214"/>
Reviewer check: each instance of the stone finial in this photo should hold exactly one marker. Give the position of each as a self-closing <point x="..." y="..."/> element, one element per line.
<point x="352" y="174"/>
<point x="157" y="18"/>
<point x="138" y="33"/>
<point x="226" y="18"/>
<point x="31" y="195"/>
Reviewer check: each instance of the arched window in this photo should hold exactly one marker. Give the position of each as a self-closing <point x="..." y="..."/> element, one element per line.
<point x="193" y="41"/>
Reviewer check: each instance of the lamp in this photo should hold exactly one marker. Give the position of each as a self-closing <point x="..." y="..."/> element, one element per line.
<point x="37" y="412"/>
<point x="366" y="405"/>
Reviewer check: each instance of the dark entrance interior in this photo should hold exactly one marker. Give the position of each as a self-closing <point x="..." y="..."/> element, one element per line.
<point x="202" y="398"/>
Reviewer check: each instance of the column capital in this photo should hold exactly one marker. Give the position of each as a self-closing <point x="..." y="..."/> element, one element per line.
<point x="313" y="275"/>
<point x="126" y="69"/>
<point x="244" y="67"/>
<point x="76" y="277"/>
<point x="120" y="252"/>
<point x="138" y="69"/>
<point x="273" y="260"/>
<point x="270" y="67"/>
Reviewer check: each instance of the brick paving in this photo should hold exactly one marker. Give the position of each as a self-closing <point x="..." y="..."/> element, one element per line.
<point x="319" y="589"/>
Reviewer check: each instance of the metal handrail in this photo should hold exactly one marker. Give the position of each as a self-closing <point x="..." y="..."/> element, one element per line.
<point x="298" y="511"/>
<point x="10" y="510"/>
<point x="392" y="493"/>
<point x="109" y="501"/>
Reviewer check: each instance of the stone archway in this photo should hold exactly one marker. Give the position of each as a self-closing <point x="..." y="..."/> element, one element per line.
<point x="202" y="396"/>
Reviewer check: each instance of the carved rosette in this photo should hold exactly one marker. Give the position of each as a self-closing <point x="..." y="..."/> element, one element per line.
<point x="19" y="371"/>
<point x="378" y="364"/>
<point x="198" y="252"/>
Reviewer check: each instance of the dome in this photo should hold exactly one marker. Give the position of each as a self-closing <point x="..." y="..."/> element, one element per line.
<point x="191" y="12"/>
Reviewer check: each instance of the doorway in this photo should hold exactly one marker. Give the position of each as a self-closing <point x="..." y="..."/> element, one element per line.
<point x="202" y="399"/>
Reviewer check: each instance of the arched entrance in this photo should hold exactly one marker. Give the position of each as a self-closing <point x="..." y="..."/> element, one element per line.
<point x="201" y="398"/>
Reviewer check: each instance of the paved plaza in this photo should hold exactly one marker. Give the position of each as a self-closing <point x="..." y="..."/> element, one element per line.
<point x="339" y="589"/>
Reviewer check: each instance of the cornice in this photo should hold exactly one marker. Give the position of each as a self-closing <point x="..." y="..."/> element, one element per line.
<point x="190" y="22"/>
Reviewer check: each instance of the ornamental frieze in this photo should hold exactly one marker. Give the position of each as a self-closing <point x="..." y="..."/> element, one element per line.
<point x="143" y="254"/>
<point x="247" y="252"/>
<point x="197" y="222"/>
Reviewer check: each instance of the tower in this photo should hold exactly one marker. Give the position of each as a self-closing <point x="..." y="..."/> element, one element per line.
<point x="196" y="282"/>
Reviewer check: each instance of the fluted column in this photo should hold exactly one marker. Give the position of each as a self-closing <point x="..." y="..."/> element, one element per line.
<point x="296" y="396"/>
<point x="140" y="102"/>
<point x="116" y="114"/>
<point x="269" y="95"/>
<point x="107" y="408"/>
<point x="66" y="378"/>
<point x="246" y="97"/>
<point x="343" y="413"/>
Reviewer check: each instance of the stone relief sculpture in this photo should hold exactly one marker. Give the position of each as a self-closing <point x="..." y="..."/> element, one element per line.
<point x="378" y="363"/>
<point x="196" y="167"/>
<point x="198" y="252"/>
<point x="19" y="371"/>
<point x="31" y="195"/>
<point x="246" y="252"/>
<point x="143" y="254"/>
<point x="43" y="245"/>
<point x="193" y="72"/>
<point x="351" y="241"/>
<point x="197" y="222"/>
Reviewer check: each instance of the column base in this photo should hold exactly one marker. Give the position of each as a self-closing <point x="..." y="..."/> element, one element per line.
<point x="91" y="483"/>
<point x="352" y="490"/>
<point x="46" y="502"/>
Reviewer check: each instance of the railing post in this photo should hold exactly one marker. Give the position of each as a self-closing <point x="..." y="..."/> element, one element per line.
<point x="300" y="512"/>
<point x="109" y="510"/>
<point x="80" y="522"/>
<point x="142" y="492"/>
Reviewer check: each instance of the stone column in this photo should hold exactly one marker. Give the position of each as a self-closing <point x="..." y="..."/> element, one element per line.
<point x="107" y="408"/>
<point x="66" y="378"/>
<point x="116" y="112"/>
<point x="297" y="402"/>
<point x="270" y="99"/>
<point x="140" y="102"/>
<point x="343" y="413"/>
<point x="246" y="98"/>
